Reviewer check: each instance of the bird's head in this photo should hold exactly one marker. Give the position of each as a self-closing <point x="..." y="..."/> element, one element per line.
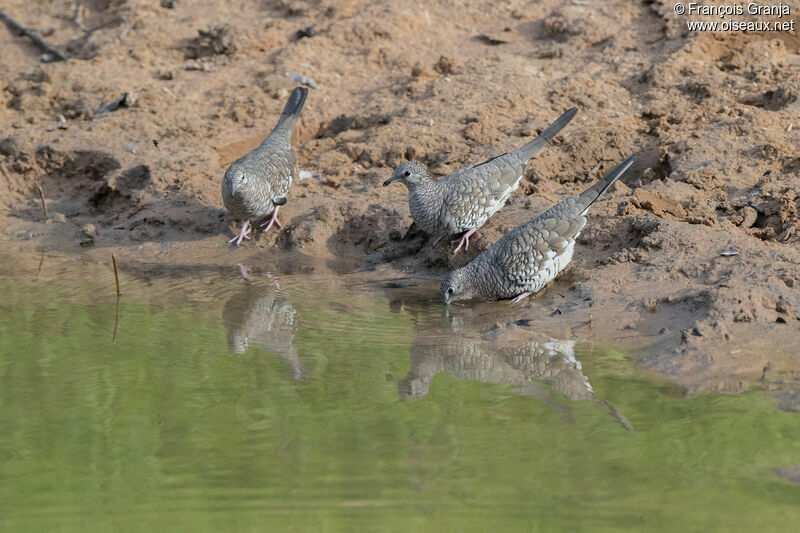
<point x="409" y="172"/>
<point x="457" y="286"/>
<point x="236" y="177"/>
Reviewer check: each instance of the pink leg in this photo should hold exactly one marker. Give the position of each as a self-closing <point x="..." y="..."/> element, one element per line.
<point x="273" y="220"/>
<point x="244" y="234"/>
<point x="436" y="241"/>
<point x="274" y="281"/>
<point x="465" y="240"/>
<point x="521" y="297"/>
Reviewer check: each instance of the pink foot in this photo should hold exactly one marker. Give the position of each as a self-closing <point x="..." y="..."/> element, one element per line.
<point x="521" y="297"/>
<point x="274" y="281"/>
<point x="436" y="241"/>
<point x="243" y="234"/>
<point x="465" y="240"/>
<point x="273" y="220"/>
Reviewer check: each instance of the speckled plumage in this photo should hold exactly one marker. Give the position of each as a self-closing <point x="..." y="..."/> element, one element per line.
<point x="261" y="316"/>
<point x="256" y="184"/>
<point x="531" y="255"/>
<point x="465" y="199"/>
<point x="550" y="361"/>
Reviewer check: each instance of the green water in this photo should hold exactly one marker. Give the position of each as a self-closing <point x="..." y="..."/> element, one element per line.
<point x="309" y="402"/>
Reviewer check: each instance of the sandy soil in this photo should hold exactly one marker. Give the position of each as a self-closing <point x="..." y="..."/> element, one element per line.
<point x="713" y="117"/>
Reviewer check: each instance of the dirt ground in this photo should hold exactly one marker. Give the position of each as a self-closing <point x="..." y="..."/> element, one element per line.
<point x="698" y="248"/>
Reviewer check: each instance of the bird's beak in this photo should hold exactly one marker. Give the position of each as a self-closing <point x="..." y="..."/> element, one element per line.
<point x="233" y="189"/>
<point x="391" y="180"/>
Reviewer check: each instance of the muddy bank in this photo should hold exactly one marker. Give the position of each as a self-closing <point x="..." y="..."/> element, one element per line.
<point x="698" y="247"/>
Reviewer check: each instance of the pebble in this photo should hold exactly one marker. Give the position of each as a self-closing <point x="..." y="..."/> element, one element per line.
<point x="88" y="235"/>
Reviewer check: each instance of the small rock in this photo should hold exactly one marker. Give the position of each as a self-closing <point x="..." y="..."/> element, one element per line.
<point x="166" y="74"/>
<point x="10" y="146"/>
<point x="418" y="71"/>
<point x="621" y="188"/>
<point x="446" y="66"/>
<point x="88" y="235"/>
<point x="749" y="216"/>
<point x="303" y="33"/>
<point x="194" y="64"/>
<point x="216" y="40"/>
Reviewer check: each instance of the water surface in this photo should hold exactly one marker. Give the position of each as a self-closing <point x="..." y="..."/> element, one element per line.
<point x="292" y="397"/>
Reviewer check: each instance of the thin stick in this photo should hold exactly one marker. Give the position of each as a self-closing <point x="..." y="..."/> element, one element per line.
<point x="41" y="262"/>
<point x="116" y="276"/>
<point x="35" y="37"/>
<point x="116" y="323"/>
<point x="41" y="197"/>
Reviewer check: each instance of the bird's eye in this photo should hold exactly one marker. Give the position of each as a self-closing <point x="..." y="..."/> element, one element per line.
<point x="407" y="173"/>
<point x="450" y="290"/>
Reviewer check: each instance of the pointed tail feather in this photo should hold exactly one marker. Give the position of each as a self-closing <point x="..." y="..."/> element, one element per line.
<point x="292" y="109"/>
<point x="590" y="195"/>
<point x="536" y="145"/>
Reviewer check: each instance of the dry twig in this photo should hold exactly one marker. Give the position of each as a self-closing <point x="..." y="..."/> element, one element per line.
<point x="35" y="37"/>
<point x="116" y="276"/>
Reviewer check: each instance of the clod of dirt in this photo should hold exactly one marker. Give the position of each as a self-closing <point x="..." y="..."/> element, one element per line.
<point x="660" y="205"/>
<point x="566" y="24"/>
<point x="746" y="217"/>
<point x="88" y="235"/>
<point x="773" y="100"/>
<point x="418" y="71"/>
<point x="118" y="193"/>
<point x="9" y="146"/>
<point x="216" y="40"/>
<point x="134" y="178"/>
<point x="447" y="66"/>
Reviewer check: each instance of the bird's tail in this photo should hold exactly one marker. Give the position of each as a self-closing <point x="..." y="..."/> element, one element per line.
<point x="536" y="145"/>
<point x="590" y="195"/>
<point x="291" y="111"/>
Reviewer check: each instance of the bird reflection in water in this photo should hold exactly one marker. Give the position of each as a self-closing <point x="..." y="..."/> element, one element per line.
<point x="260" y="315"/>
<point x="535" y="366"/>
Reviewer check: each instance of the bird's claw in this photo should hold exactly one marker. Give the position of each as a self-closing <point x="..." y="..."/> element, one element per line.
<point x="273" y="220"/>
<point x="243" y="234"/>
<point x="520" y="297"/>
<point x="464" y="241"/>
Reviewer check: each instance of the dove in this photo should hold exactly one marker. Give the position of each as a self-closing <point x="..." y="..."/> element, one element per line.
<point x="464" y="200"/>
<point x="531" y="255"/>
<point x="255" y="185"/>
